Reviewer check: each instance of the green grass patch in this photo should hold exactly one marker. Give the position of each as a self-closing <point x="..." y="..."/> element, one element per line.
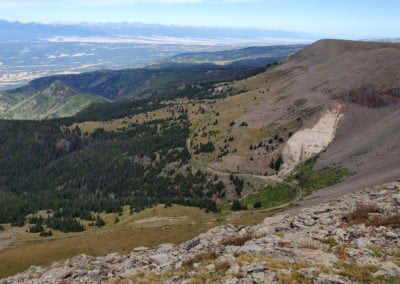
<point x="272" y="196"/>
<point x="394" y="280"/>
<point x="309" y="179"/>
<point x="303" y="180"/>
<point x="214" y="132"/>
<point x="77" y="103"/>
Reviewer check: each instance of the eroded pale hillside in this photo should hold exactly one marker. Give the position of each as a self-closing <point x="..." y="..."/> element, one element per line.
<point x="283" y="114"/>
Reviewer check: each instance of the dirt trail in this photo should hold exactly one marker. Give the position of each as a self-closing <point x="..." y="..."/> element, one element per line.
<point x="6" y="239"/>
<point x="267" y="180"/>
<point x="199" y="165"/>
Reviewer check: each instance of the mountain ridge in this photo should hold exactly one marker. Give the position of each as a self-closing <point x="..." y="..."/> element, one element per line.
<point x="159" y="78"/>
<point x="40" y="31"/>
<point x="236" y="56"/>
<point x="52" y="101"/>
<point x="113" y="84"/>
<point x="296" y="94"/>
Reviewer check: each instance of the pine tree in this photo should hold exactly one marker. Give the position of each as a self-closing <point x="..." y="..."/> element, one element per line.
<point x="99" y="222"/>
<point x="236" y="206"/>
<point x="257" y="204"/>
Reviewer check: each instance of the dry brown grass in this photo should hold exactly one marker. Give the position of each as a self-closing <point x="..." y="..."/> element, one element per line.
<point x="361" y="213"/>
<point x="293" y="277"/>
<point x="340" y="252"/>
<point x="329" y="241"/>
<point x="196" y="281"/>
<point x="237" y="240"/>
<point x="122" y="238"/>
<point x="202" y="257"/>
<point x="309" y="245"/>
<point x="361" y="274"/>
<point x="386" y="221"/>
<point x="30" y="249"/>
<point x="283" y="244"/>
<point x="116" y="124"/>
<point x="277" y="264"/>
<point x="222" y="266"/>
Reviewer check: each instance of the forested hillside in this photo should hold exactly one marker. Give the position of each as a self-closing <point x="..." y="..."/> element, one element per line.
<point x="55" y="100"/>
<point x="117" y="84"/>
<point x="55" y="166"/>
<point x="59" y="168"/>
<point x="65" y="95"/>
<point x="256" y="56"/>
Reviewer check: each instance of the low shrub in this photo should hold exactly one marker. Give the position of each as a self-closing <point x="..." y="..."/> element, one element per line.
<point x="329" y="241"/>
<point x="386" y="221"/>
<point x="257" y="204"/>
<point x="237" y="206"/>
<point x="361" y="213"/>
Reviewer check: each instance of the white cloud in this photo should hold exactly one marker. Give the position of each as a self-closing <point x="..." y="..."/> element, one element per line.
<point x="61" y="55"/>
<point x="157" y="40"/>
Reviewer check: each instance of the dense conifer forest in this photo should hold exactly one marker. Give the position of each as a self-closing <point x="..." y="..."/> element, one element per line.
<point x="47" y="165"/>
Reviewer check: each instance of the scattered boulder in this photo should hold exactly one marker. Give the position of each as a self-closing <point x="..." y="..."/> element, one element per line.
<point x="331" y="279"/>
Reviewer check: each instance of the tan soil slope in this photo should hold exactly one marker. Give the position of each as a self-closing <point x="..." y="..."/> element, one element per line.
<point x="362" y="74"/>
<point x="363" y="77"/>
<point x="332" y="68"/>
<point x="368" y="138"/>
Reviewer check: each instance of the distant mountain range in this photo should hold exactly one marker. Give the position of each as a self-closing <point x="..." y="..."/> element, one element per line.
<point x="17" y="31"/>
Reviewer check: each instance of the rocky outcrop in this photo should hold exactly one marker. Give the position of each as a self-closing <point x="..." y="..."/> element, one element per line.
<point x="328" y="243"/>
<point x="371" y="97"/>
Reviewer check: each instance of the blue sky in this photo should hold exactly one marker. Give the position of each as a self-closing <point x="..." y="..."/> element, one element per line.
<point x="339" y="18"/>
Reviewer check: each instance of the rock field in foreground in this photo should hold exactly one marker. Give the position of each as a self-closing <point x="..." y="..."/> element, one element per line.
<point x="321" y="244"/>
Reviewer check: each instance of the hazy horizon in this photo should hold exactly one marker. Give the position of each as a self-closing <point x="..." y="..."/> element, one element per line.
<point x="341" y="19"/>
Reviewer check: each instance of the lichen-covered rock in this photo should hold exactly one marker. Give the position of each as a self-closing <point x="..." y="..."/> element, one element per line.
<point x="332" y="279"/>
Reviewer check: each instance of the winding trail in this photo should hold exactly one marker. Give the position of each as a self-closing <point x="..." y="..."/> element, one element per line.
<point x="266" y="179"/>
